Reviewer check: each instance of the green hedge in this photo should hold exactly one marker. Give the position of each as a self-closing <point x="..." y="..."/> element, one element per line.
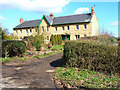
<point x="12" y="48"/>
<point x="92" y="55"/>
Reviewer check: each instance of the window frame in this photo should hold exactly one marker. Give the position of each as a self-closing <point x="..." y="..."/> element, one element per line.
<point x="47" y="39"/>
<point x="42" y="29"/>
<point x="77" y="27"/>
<point x="47" y="28"/>
<point x="77" y="37"/>
<point x="55" y="29"/>
<point x="26" y="31"/>
<point x="68" y="28"/>
<point x="63" y="28"/>
<point x="84" y="27"/>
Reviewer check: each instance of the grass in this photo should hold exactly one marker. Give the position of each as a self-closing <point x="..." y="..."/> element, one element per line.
<point x="4" y="60"/>
<point x="49" y="54"/>
<point x="74" y="77"/>
<point x="58" y="49"/>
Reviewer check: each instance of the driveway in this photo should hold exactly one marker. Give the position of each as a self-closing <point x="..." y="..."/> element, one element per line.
<point x="33" y="74"/>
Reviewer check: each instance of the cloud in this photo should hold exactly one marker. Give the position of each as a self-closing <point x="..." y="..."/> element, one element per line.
<point x="54" y="6"/>
<point x="115" y="23"/>
<point x="81" y="10"/>
<point x="2" y="18"/>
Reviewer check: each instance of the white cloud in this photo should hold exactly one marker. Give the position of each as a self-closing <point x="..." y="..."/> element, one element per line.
<point x="54" y="6"/>
<point x="2" y="18"/>
<point x="115" y="23"/>
<point x="81" y="10"/>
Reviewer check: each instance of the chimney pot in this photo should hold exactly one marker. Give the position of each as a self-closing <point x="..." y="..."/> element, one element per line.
<point x="51" y="15"/>
<point x="21" y="20"/>
<point x="92" y="11"/>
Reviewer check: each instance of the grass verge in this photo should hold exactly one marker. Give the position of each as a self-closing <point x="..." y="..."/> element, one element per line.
<point x="74" y="77"/>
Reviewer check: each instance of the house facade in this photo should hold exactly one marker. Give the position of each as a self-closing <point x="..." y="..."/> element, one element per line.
<point x="72" y="26"/>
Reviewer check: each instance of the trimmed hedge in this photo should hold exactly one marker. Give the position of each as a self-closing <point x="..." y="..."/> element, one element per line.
<point x="12" y="48"/>
<point x="92" y="55"/>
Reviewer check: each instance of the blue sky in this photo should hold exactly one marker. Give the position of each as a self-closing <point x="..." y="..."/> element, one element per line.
<point x="11" y="12"/>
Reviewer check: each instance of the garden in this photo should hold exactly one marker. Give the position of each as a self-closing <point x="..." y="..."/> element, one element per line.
<point x="30" y="47"/>
<point x="91" y="62"/>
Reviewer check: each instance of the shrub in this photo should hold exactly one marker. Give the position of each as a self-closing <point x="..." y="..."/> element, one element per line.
<point x="92" y="55"/>
<point x="52" y="40"/>
<point x="59" y="39"/>
<point x="37" y="44"/>
<point x="13" y="48"/>
<point x="56" y="39"/>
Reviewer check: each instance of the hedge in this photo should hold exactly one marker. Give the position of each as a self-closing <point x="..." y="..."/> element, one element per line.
<point x="12" y="48"/>
<point x="92" y="55"/>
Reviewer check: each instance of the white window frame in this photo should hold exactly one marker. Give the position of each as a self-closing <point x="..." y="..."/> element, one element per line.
<point x="16" y="31"/>
<point x="27" y="31"/>
<point x="85" y="35"/>
<point x="68" y="29"/>
<point x="35" y="30"/>
<point x="20" y="31"/>
<point x="42" y="29"/>
<point x="84" y="27"/>
<point x="77" y="37"/>
<point x="77" y="28"/>
<point x="63" y="29"/>
<point x="30" y="31"/>
<point x="47" y="39"/>
<point x="55" y="29"/>
<point x="47" y="29"/>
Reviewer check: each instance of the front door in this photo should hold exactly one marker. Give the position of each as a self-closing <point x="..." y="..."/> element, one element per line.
<point x="65" y="36"/>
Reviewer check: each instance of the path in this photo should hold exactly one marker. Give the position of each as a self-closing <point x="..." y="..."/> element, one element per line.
<point x="32" y="75"/>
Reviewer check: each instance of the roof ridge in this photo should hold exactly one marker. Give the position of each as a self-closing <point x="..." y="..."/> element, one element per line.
<point x="32" y="20"/>
<point x="72" y="15"/>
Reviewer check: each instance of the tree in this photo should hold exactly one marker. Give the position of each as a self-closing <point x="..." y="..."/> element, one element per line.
<point x="59" y="39"/>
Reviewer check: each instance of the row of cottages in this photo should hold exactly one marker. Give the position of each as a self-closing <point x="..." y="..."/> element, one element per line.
<point x="72" y="26"/>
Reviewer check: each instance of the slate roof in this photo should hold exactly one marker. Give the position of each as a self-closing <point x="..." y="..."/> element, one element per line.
<point x="79" y="18"/>
<point x="26" y="24"/>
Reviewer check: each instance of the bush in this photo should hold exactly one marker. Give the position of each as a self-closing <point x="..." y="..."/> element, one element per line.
<point x="92" y="55"/>
<point x="52" y="40"/>
<point x="59" y="39"/>
<point x="13" y="48"/>
<point x="37" y="44"/>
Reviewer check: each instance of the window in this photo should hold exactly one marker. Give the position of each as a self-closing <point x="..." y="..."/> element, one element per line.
<point x="42" y="28"/>
<point x="26" y="31"/>
<point x="47" y="29"/>
<point x="63" y="28"/>
<point x="84" y="27"/>
<point x="85" y="35"/>
<point x="21" y="31"/>
<point x="16" y="32"/>
<point x="35" y="30"/>
<point x="68" y="28"/>
<point x="47" y="38"/>
<point x="55" y="28"/>
<point x="77" y="27"/>
<point x="30" y="31"/>
<point x="77" y="37"/>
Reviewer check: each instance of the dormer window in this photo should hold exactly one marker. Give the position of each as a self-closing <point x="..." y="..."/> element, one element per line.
<point x="77" y="27"/>
<point x="56" y="29"/>
<point x="85" y="27"/>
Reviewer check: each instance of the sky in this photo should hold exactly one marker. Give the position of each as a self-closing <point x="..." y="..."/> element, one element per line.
<point x="12" y="10"/>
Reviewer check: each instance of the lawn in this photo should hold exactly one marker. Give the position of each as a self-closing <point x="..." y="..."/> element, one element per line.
<point x="79" y="78"/>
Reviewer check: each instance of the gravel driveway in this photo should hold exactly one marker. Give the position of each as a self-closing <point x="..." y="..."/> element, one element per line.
<point x="35" y="74"/>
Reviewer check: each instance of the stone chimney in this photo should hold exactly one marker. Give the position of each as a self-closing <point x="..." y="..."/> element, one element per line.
<point x="92" y="11"/>
<point x="51" y="15"/>
<point x="21" y="20"/>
